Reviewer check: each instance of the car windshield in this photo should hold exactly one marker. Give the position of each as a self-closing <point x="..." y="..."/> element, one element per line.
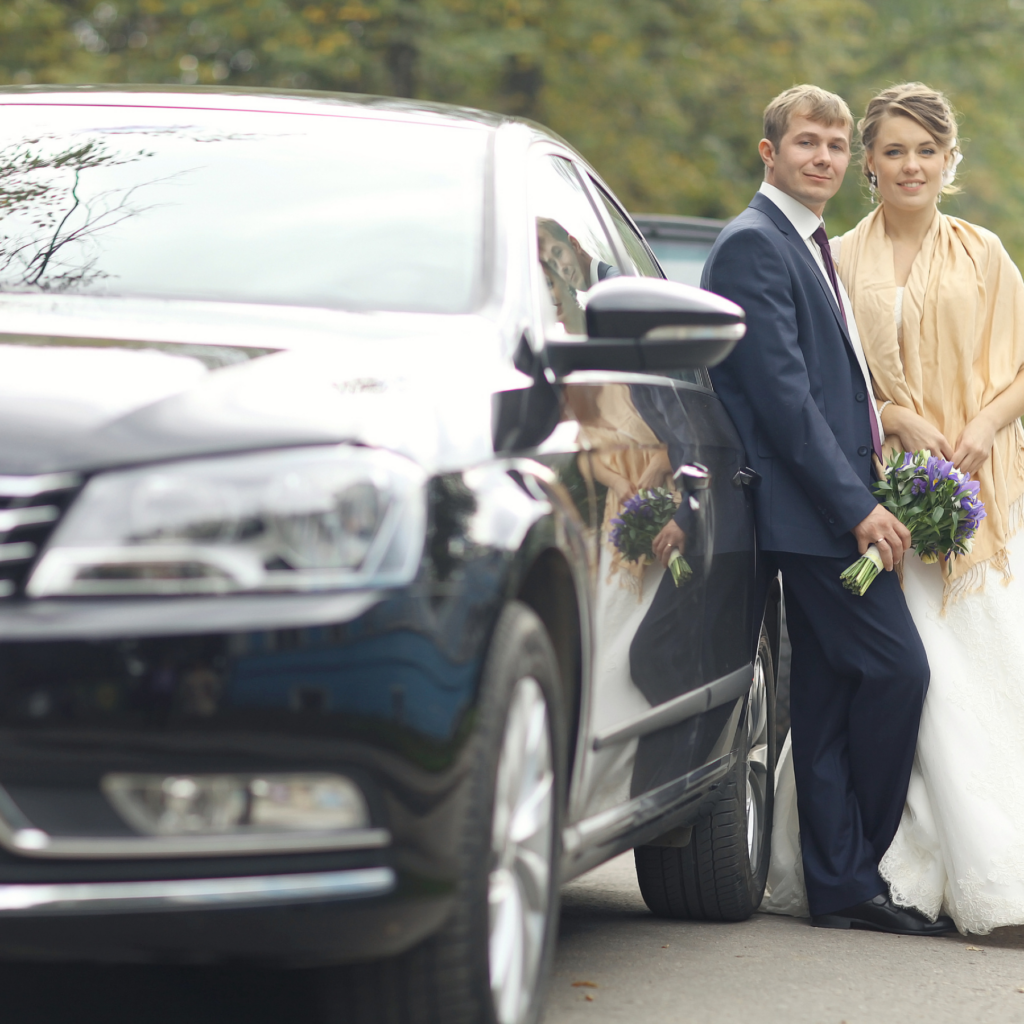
<point x="344" y="212"/>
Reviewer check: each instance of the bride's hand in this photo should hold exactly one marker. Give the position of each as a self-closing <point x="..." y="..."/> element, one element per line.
<point x="974" y="444"/>
<point x="655" y="473"/>
<point x="915" y="432"/>
<point x="620" y="486"/>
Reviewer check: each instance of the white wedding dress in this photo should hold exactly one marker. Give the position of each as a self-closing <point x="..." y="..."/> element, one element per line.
<point x="959" y="849"/>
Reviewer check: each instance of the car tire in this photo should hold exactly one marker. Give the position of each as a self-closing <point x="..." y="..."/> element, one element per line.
<point x="720" y="874"/>
<point x="488" y="965"/>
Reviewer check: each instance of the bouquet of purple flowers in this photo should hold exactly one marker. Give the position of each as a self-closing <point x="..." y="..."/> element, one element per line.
<point x="938" y="504"/>
<point x="641" y="520"/>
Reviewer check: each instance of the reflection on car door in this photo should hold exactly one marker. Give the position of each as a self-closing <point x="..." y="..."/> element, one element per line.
<point x="647" y="649"/>
<point x="654" y="642"/>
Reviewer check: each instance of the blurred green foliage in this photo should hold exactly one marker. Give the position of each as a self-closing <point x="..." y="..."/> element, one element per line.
<point x="663" y="96"/>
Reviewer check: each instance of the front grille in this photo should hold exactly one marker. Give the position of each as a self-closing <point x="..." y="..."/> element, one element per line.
<point x="30" y="508"/>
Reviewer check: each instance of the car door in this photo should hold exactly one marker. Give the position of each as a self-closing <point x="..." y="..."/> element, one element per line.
<point x="699" y="434"/>
<point x="621" y="434"/>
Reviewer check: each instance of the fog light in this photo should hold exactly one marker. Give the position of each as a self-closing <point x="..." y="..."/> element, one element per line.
<point x="167" y="805"/>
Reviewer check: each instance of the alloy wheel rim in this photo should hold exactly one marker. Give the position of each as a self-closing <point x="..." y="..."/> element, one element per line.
<point x="757" y="763"/>
<point x="522" y="835"/>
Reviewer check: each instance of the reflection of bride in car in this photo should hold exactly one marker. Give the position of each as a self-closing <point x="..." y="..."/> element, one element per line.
<point x="624" y="455"/>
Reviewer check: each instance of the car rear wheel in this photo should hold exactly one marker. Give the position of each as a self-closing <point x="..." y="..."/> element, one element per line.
<point x="489" y="963"/>
<point x="720" y="874"/>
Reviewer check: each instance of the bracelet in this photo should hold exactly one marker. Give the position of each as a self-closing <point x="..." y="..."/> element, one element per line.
<point x="888" y="401"/>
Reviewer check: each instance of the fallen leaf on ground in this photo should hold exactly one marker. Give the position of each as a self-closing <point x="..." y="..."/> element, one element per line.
<point x="585" y="984"/>
<point x="589" y="998"/>
<point x="664" y="947"/>
<point x="977" y="949"/>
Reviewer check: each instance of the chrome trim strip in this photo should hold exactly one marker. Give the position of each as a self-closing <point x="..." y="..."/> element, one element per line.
<point x="628" y="377"/>
<point x="192" y="894"/>
<point x="74" y="619"/>
<point x="706" y="697"/>
<point x="20" y="551"/>
<point x="616" y="821"/>
<point x="698" y="332"/>
<point x="33" y="842"/>
<point x="12" y="518"/>
<point x="30" y="486"/>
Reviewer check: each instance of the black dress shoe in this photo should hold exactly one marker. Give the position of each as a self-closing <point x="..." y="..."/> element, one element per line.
<point x="882" y="915"/>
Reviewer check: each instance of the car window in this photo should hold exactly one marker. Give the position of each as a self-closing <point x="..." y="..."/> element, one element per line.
<point x="681" y="261"/>
<point x="242" y="206"/>
<point x="573" y="248"/>
<point x="631" y="240"/>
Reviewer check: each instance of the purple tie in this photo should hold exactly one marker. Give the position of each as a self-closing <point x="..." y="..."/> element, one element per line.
<point x="821" y="239"/>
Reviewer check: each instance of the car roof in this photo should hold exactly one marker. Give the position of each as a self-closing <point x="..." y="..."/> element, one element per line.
<point x="687" y="229"/>
<point x="285" y="101"/>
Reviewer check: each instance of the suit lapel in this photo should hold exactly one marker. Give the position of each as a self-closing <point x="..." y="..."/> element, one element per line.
<point x="782" y="222"/>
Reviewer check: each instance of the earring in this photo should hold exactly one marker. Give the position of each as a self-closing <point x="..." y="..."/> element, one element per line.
<point x="873" y="187"/>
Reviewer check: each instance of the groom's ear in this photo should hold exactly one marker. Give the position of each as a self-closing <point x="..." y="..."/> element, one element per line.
<point x="767" y="151"/>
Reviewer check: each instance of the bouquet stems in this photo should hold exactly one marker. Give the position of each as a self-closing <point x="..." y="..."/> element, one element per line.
<point x="859" y="576"/>
<point x="680" y="568"/>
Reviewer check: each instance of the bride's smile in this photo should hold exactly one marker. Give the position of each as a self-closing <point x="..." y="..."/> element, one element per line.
<point x="908" y="163"/>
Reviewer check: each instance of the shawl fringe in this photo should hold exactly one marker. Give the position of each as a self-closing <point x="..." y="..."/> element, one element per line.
<point x="973" y="581"/>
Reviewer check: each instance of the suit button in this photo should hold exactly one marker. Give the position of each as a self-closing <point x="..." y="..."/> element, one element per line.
<point x="863" y="450"/>
<point x="860" y="396"/>
<point x="831" y="520"/>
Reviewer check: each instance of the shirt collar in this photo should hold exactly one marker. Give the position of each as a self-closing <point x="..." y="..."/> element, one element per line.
<point x="805" y="222"/>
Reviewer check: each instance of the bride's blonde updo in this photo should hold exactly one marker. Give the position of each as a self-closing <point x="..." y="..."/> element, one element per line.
<point x="928" y="107"/>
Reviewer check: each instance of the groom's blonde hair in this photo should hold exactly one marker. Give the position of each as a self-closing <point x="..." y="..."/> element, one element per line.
<point x="809" y="101"/>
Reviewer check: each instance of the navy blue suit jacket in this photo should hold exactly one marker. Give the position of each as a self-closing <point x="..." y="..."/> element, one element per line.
<point x="793" y="387"/>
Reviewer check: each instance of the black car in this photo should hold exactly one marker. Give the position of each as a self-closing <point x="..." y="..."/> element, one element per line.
<point x="317" y="415"/>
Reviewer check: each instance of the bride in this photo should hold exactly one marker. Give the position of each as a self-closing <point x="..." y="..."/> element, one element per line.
<point x="940" y="308"/>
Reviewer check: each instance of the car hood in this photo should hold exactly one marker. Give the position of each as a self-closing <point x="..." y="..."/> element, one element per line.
<point x="85" y="387"/>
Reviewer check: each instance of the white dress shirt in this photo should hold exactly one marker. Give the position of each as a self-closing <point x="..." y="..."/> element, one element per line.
<point x="805" y="223"/>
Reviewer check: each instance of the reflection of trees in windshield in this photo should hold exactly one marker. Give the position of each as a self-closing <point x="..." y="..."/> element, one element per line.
<point x="46" y="210"/>
<point x="52" y="213"/>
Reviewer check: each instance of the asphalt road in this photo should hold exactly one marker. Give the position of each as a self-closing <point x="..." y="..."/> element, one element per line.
<point x="617" y="962"/>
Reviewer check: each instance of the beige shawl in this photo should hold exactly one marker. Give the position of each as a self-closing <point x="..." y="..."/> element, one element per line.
<point x="621" y="443"/>
<point x="962" y="346"/>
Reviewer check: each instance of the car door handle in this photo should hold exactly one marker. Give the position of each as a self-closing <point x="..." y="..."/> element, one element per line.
<point x="747" y="477"/>
<point x="693" y="477"/>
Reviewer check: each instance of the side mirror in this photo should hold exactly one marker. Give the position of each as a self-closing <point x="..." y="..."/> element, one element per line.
<point x="645" y="323"/>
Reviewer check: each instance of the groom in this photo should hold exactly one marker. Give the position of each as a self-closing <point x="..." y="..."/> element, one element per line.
<point x="798" y="391"/>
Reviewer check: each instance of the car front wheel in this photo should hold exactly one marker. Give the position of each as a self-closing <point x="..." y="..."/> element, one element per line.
<point x="488" y="965"/>
<point x="720" y="874"/>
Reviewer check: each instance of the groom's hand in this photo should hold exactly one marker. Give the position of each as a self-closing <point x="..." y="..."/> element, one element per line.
<point x="886" y="532"/>
<point x="671" y="538"/>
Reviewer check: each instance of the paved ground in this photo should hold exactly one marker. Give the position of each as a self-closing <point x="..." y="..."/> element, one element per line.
<point x="637" y="968"/>
<point x="633" y="967"/>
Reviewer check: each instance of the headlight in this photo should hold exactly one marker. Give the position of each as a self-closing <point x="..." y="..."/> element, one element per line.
<point x="299" y="519"/>
<point x="167" y="805"/>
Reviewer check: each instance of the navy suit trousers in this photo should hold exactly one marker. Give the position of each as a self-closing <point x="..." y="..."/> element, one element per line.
<point x="857" y="685"/>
